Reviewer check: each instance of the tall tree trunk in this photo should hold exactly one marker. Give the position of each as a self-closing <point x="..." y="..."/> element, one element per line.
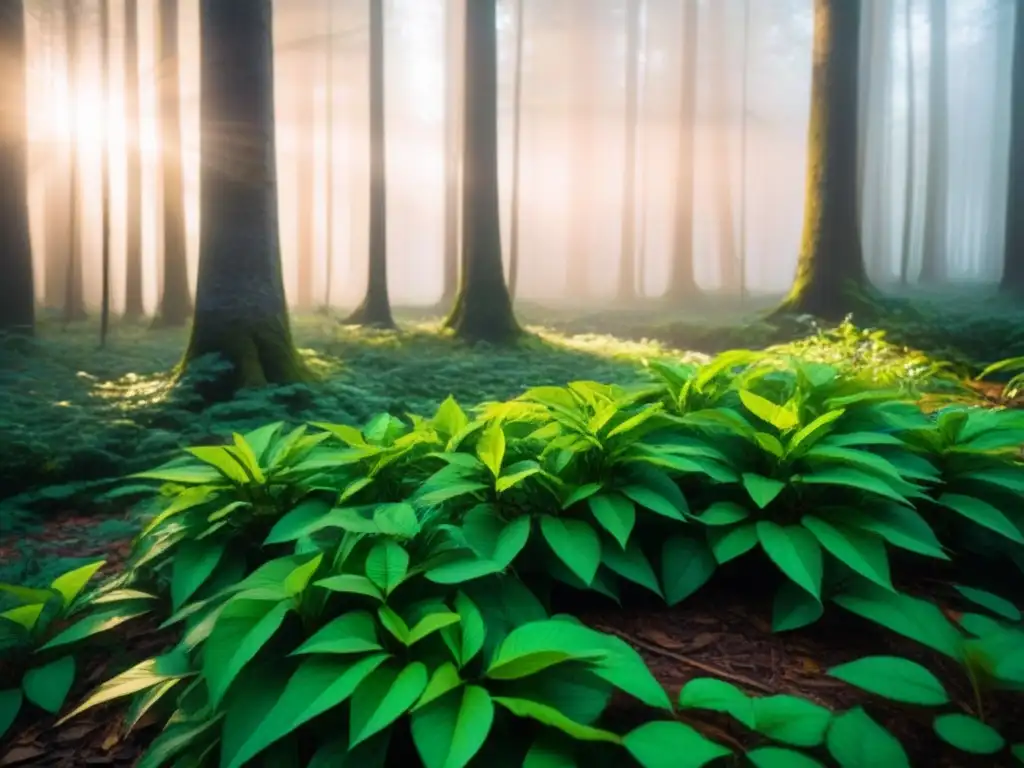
<point x="911" y="183"/>
<point x="240" y="313"/>
<point x="176" y="301"/>
<point x="483" y="308"/>
<point x="831" y="266"/>
<point x="455" y="21"/>
<point x="105" y="171"/>
<point x="582" y="155"/>
<point x="517" y="120"/>
<point x="133" y="298"/>
<point x="934" y="264"/>
<point x="1013" y="245"/>
<point x="57" y="196"/>
<point x="728" y="260"/>
<point x="329" y="161"/>
<point x="74" y="286"/>
<point x="17" y="289"/>
<point x="627" y="244"/>
<point x="681" y="282"/>
<point x="306" y="193"/>
<point x="375" y="309"/>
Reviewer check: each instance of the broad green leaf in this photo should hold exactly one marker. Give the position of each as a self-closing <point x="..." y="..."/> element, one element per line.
<point x="464" y="570"/>
<point x="490" y="448"/>
<point x="242" y="629"/>
<point x="295" y="583"/>
<point x="247" y="457"/>
<point x="778" y="757"/>
<point x="825" y="455"/>
<point x="259" y="441"/>
<point x="671" y="744"/>
<point x="145" y="700"/>
<point x="763" y="490"/>
<point x="192" y="565"/>
<point x="894" y="678"/>
<point x="968" y="734"/>
<point x="29" y="595"/>
<point x="615" y="513"/>
<point x="770" y="443"/>
<point x="900" y="526"/>
<point x="857" y="741"/>
<point x="351" y="584"/>
<point x="444" y="680"/>
<point x="71" y="583"/>
<point x="394" y="623"/>
<point x="431" y="623"/>
<point x="194" y="475"/>
<point x="631" y="564"/>
<point x="575" y="543"/>
<point x="729" y="543"/>
<point x="306" y="517"/>
<point x="318" y="685"/>
<point x="353" y="632"/>
<point x="794" y="607"/>
<point x="547" y="752"/>
<point x="383" y="697"/>
<point x="724" y="513"/>
<point x="10" y="706"/>
<point x="1010" y="479"/>
<point x="535" y="646"/>
<point x="24" y="615"/>
<point x="781" y="417"/>
<point x="449" y="418"/>
<point x="146" y="674"/>
<point x="791" y="720"/>
<point x="397" y="520"/>
<point x="551" y="717"/>
<point x="808" y="435"/>
<point x="994" y="603"/>
<point x="795" y="551"/>
<point x="387" y="565"/>
<point x="516" y="474"/>
<point x="48" y="686"/>
<point x="652" y="499"/>
<point x="863" y="552"/>
<point x="221" y="459"/>
<point x="451" y="730"/>
<point x="983" y="514"/>
<point x="852" y="478"/>
<point x="94" y="624"/>
<point x="472" y="629"/>
<point x="581" y="493"/>
<point x="718" y="696"/>
<point x="177" y="738"/>
<point x="686" y="565"/>
<point x="449" y="491"/>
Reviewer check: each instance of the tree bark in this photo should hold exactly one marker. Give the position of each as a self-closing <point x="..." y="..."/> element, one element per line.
<point x="627" y="244"/>
<point x="134" y="308"/>
<point x="681" y="282"/>
<point x="375" y="309"/>
<point x="241" y="314"/>
<point x="455" y="21"/>
<point x="830" y="269"/>
<point x="483" y="308"/>
<point x="1013" y="245"/>
<point x="176" y="301"/>
<point x="517" y="120"/>
<point x="934" y="256"/>
<point x="17" y="289"/>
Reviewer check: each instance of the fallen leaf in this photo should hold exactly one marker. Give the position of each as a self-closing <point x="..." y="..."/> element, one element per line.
<point x="20" y="755"/>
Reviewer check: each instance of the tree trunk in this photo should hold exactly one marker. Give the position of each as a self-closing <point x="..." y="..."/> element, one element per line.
<point x="455" y="13"/>
<point x="74" y="287"/>
<point x="681" y="282"/>
<point x="911" y="184"/>
<point x="105" y="171"/>
<point x="1013" y="245"/>
<point x="517" y="119"/>
<point x="306" y="192"/>
<point x="375" y="309"/>
<point x="329" y="161"/>
<point x="584" y="114"/>
<point x="831" y="267"/>
<point x="728" y="258"/>
<point x="627" y="244"/>
<point x="17" y="290"/>
<point x="176" y="301"/>
<point x="134" y="308"/>
<point x="483" y="308"/>
<point x="58" y="194"/>
<point x="934" y="256"/>
<point x="240" y="312"/>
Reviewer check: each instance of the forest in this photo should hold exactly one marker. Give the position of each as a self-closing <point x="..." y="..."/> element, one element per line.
<point x="537" y="383"/>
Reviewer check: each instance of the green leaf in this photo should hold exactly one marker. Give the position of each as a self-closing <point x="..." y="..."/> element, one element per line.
<point x="195" y="475"/>
<point x="654" y="500"/>
<point x="178" y="737"/>
<point x="318" y="685"/>
<point x="795" y="551"/>
<point x="490" y="448"/>
<point x="794" y="607"/>
<point x="631" y="564"/>
<point x="968" y="734"/>
<point x="532" y="647"/>
<point x="615" y="513"/>
<point x="47" y="686"/>
<point x="472" y="629"/>
<point x="857" y="741"/>
<point x="71" y="583"/>
<point x="451" y="730"/>
<point x="245" y="456"/>
<point x="515" y="474"/>
<point x="444" y="680"/>
<point x="778" y="757"/>
<point x="460" y="571"/>
<point x="449" y="418"/>
<point x="383" y="697"/>
<point x="894" y="678"/>
<point x="242" y="628"/>
<point x="397" y="520"/>
<point x="221" y="459"/>
<point x="763" y="490"/>
<point x="547" y="752"/>
<point x="394" y="623"/>
<point x="718" y="696"/>
<point x="431" y="623"/>
<point x="670" y="744"/>
<point x="864" y="552"/>
<point x="686" y="565"/>
<point x="10" y="706"/>
<point x="24" y="615"/>
<point x="994" y="603"/>
<point x="852" y="478"/>
<point x="550" y="716"/>
<point x="982" y="513"/>
<point x="353" y="632"/>
<point x="192" y="565"/>
<point x="779" y="416"/>
<point x="581" y="493"/>
<point x="306" y="517"/>
<point x="900" y="526"/>
<point x="575" y="543"/>
<point x="94" y="624"/>
<point x="351" y="584"/>
<point x="387" y="565"/>
<point x="729" y="543"/>
<point x="791" y="720"/>
<point x="295" y="583"/>
<point x="724" y="513"/>
<point x="808" y="435"/>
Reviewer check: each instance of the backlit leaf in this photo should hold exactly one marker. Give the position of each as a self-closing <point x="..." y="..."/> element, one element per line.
<point x="763" y="490"/>
<point x="791" y="720"/>
<point x="353" y="632"/>
<point x="384" y="696"/>
<point x="671" y="744"/>
<point x="795" y="551"/>
<point x="575" y="543"/>
<point x="615" y="513"/>
<point x="71" y="583"/>
<point x="968" y="734"/>
<point x="864" y="552"/>
<point x="894" y="678"/>
<point x="857" y="741"/>
<point x="451" y="730"/>
<point x="550" y="716"/>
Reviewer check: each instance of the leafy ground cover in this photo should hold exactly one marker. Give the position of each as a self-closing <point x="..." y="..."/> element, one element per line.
<point x="718" y="497"/>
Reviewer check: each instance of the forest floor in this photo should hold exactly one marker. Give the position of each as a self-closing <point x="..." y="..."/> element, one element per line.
<point x="77" y="418"/>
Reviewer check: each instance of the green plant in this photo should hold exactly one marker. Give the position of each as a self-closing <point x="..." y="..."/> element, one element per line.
<point x="1014" y="365"/>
